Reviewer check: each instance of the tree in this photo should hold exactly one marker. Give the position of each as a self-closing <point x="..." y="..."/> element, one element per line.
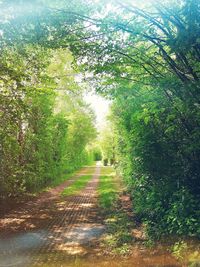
<point x="40" y="137"/>
<point x="147" y="60"/>
<point x="108" y="144"/>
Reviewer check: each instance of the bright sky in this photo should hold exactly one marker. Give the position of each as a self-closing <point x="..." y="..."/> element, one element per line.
<point x="100" y="106"/>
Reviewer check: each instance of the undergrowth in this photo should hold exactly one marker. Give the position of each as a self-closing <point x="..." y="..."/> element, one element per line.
<point x="60" y="179"/>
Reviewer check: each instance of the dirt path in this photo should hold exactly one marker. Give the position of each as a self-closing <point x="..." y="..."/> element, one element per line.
<point x="51" y="227"/>
<point x="55" y="231"/>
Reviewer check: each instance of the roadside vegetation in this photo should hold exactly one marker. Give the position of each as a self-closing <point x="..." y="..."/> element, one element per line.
<point x="60" y="179"/>
<point x="118" y="237"/>
<point x="77" y="186"/>
<point x="45" y="126"/>
<point x="108" y="189"/>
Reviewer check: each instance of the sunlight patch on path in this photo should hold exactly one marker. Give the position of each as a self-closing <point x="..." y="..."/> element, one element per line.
<point x="65" y="225"/>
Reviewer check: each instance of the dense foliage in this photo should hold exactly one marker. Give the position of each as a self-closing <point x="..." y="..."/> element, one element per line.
<point x="157" y="116"/>
<point x="155" y="158"/>
<point x="40" y="137"/>
<point x="108" y="144"/>
<point x="147" y="59"/>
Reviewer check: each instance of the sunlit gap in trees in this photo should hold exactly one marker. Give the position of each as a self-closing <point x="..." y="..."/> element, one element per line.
<point x="100" y="105"/>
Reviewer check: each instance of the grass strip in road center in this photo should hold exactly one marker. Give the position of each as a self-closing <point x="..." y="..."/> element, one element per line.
<point x="77" y="186"/>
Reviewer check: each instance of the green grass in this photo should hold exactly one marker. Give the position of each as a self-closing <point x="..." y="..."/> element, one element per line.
<point x="56" y="181"/>
<point x="107" y="192"/>
<point x="77" y="186"/>
<point x="118" y="237"/>
<point x="108" y="170"/>
<point x="61" y="179"/>
<point x="89" y="170"/>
